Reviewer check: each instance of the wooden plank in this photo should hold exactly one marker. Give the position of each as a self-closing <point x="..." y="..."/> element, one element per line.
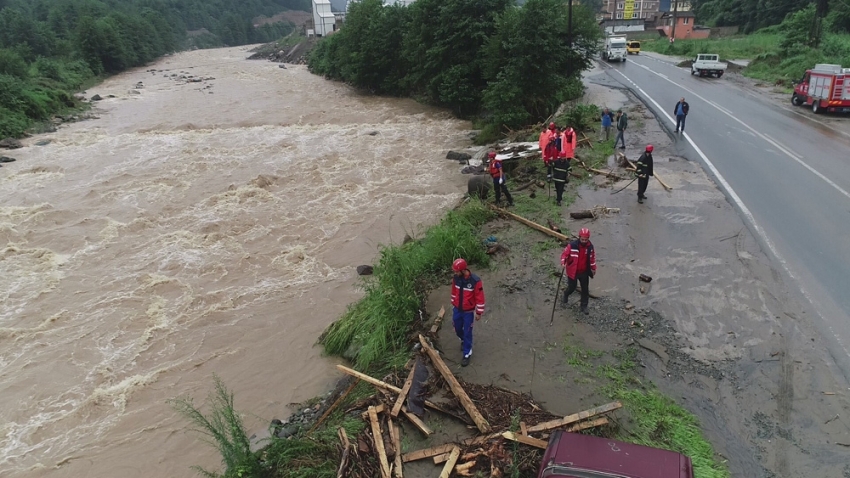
<point x="459" y="392"/>
<point x="523" y="428"/>
<point x="346" y="449"/>
<point x="577" y="427"/>
<point x="662" y="182"/>
<point x="439" y="320"/>
<point x="441" y="458"/>
<point x="379" y="443"/>
<point x="397" y="471"/>
<point x="450" y="463"/>
<point x="427" y="452"/>
<point x="378" y="409"/>
<point x="417" y="422"/>
<point x="533" y="225"/>
<point x="402" y="396"/>
<point x="527" y="440"/>
<point x="386" y="386"/>
<point x="335" y="404"/>
<point x="570" y="419"/>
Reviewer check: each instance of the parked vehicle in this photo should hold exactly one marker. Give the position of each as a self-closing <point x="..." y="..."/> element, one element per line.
<point x="708" y="65"/>
<point x="825" y="87"/>
<point x="633" y="47"/>
<point x="574" y="455"/>
<point x="615" y="48"/>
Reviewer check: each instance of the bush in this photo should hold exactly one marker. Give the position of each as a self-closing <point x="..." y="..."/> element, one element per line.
<point x="12" y="123"/>
<point x="12" y="64"/>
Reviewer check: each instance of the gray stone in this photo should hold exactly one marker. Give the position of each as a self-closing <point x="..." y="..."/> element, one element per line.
<point x="364" y="270"/>
<point x="457" y="156"/>
<point x="6" y="159"/>
<point x="11" y="143"/>
<point x="96" y="98"/>
<point x="479" y="186"/>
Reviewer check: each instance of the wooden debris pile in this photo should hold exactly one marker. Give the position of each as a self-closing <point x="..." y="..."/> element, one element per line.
<point x="489" y="409"/>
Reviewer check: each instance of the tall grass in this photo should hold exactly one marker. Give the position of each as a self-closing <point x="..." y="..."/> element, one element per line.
<point x="729" y="48"/>
<point x="373" y="332"/>
<point x="223" y="429"/>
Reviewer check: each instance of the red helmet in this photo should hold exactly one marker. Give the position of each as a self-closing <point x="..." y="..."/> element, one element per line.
<point x="551" y="125"/>
<point x="491" y="155"/>
<point x="584" y="232"/>
<point x="649" y="148"/>
<point x="459" y="265"/>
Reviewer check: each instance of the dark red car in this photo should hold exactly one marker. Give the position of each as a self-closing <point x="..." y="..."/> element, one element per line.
<point x="572" y="455"/>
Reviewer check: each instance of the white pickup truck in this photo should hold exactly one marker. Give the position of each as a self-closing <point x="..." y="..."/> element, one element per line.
<point x="708" y="65"/>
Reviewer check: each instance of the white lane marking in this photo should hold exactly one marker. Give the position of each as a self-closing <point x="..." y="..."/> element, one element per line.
<point x="744" y="210"/>
<point x="776" y="144"/>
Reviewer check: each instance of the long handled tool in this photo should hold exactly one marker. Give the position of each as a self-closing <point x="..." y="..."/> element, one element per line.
<point x="557" y="293"/>
<point x="624" y="187"/>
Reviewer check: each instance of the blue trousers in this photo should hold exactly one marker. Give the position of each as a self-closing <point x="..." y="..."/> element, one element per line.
<point x="621" y="136"/>
<point x="680" y="122"/>
<point x="463" y="328"/>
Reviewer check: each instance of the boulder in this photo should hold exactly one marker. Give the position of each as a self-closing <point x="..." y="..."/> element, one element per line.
<point x="96" y="98"/>
<point x="6" y="159"/>
<point x="11" y="143"/>
<point x="479" y="186"/>
<point x="457" y="156"/>
<point x="365" y="270"/>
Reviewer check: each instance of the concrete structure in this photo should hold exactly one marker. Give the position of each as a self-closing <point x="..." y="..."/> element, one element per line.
<point x="685" y="27"/>
<point x="623" y="26"/>
<point x="629" y="9"/>
<point x="324" y="22"/>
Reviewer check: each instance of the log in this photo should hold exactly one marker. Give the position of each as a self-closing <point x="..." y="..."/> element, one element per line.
<point x="589" y="142"/>
<point x="335" y="404"/>
<point x="570" y="419"/>
<point x="525" y="186"/>
<point x="586" y="214"/>
<point x="526" y="440"/>
<point x="402" y="396"/>
<point x="379" y="443"/>
<point x="391" y="388"/>
<point x="552" y="226"/>
<point x="346" y="449"/>
<point x="605" y="173"/>
<point x="459" y="392"/>
<point x="417" y="422"/>
<point x="531" y="224"/>
<point x="439" y="320"/>
<point x="450" y="464"/>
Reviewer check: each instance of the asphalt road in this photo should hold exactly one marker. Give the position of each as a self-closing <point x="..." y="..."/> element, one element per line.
<point x="787" y="175"/>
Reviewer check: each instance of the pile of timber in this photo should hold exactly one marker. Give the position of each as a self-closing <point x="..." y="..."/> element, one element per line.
<point x="481" y="455"/>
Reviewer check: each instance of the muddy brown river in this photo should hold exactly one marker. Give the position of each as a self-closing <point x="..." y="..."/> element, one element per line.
<point x="195" y="228"/>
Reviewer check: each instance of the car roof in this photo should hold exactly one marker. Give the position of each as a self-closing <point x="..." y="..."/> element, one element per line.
<point x="583" y="453"/>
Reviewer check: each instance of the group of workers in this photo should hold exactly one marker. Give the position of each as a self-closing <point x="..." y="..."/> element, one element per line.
<point x="578" y="262"/>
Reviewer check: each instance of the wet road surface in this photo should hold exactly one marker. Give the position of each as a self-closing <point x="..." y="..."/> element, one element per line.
<point x="787" y="176"/>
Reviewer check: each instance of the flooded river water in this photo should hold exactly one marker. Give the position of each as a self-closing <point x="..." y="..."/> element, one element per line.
<point x="195" y="228"/>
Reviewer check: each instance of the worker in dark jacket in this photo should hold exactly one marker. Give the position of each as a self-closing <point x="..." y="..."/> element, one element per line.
<point x="468" y="302"/>
<point x="579" y="261"/>
<point x="622" y="124"/>
<point x="644" y="171"/>
<point x="561" y="176"/>
<point x="681" y="112"/>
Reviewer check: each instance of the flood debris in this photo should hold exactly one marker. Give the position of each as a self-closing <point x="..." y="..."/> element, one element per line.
<point x="531" y="224"/>
<point x="595" y="212"/>
<point x="492" y="409"/>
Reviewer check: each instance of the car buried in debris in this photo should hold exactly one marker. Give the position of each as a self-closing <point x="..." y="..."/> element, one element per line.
<point x="573" y="455"/>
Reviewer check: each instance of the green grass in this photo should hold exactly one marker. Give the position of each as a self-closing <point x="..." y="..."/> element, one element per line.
<point x="373" y="332"/>
<point x="729" y="48"/>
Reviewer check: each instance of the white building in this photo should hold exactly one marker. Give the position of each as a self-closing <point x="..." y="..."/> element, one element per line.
<point x="324" y="22"/>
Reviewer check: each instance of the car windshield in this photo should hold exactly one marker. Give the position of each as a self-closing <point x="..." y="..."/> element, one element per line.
<point x="618" y="44"/>
<point x="635" y="44"/>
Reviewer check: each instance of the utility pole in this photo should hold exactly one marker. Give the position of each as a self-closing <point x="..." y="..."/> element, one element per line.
<point x="821" y="9"/>
<point x="675" y="12"/>
<point x="570" y="25"/>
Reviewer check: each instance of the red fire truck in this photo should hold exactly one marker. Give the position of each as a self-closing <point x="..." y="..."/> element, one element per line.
<point x="825" y="87"/>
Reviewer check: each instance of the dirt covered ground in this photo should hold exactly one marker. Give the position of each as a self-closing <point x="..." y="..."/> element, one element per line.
<point x="715" y="330"/>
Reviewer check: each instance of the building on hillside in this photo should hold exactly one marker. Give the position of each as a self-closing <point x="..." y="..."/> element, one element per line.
<point x="679" y="6"/>
<point x="629" y="9"/>
<point x="324" y="22"/>
<point x="685" y="26"/>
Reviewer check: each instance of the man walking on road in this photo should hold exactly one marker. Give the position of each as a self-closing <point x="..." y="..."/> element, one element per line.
<point x="560" y="174"/>
<point x="468" y="302"/>
<point x="622" y="124"/>
<point x="607" y="120"/>
<point x="579" y="259"/>
<point x="644" y="171"/>
<point x="497" y="172"/>
<point x="681" y="112"/>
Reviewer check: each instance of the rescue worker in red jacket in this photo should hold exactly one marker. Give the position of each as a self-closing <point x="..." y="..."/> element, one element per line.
<point x="568" y="143"/>
<point x="468" y="302"/>
<point x="548" y="148"/>
<point x="497" y="172"/>
<point x="579" y="259"/>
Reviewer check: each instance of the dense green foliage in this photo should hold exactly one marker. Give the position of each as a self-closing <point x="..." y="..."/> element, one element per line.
<point x="752" y="15"/>
<point x="511" y="65"/>
<point x="373" y="331"/>
<point x="49" y="48"/>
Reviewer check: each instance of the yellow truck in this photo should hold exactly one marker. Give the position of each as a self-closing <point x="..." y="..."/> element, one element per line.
<point x="633" y="47"/>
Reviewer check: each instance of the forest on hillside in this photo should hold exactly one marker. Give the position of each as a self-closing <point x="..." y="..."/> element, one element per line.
<point x="51" y="48"/>
<point x="752" y="15"/>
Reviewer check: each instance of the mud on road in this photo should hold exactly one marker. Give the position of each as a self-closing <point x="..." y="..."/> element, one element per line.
<point x="717" y="329"/>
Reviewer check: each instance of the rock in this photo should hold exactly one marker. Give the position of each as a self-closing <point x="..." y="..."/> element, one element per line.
<point x="6" y="159"/>
<point x="373" y="133"/>
<point x="286" y="432"/>
<point x="479" y="186"/>
<point x="407" y="239"/>
<point x="110" y="96"/>
<point x="365" y="270"/>
<point x="11" y="143"/>
<point x="472" y="170"/>
<point x="645" y="278"/>
<point x="458" y="156"/>
<point x="134" y="92"/>
<point x="282" y="66"/>
<point x="96" y="98"/>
